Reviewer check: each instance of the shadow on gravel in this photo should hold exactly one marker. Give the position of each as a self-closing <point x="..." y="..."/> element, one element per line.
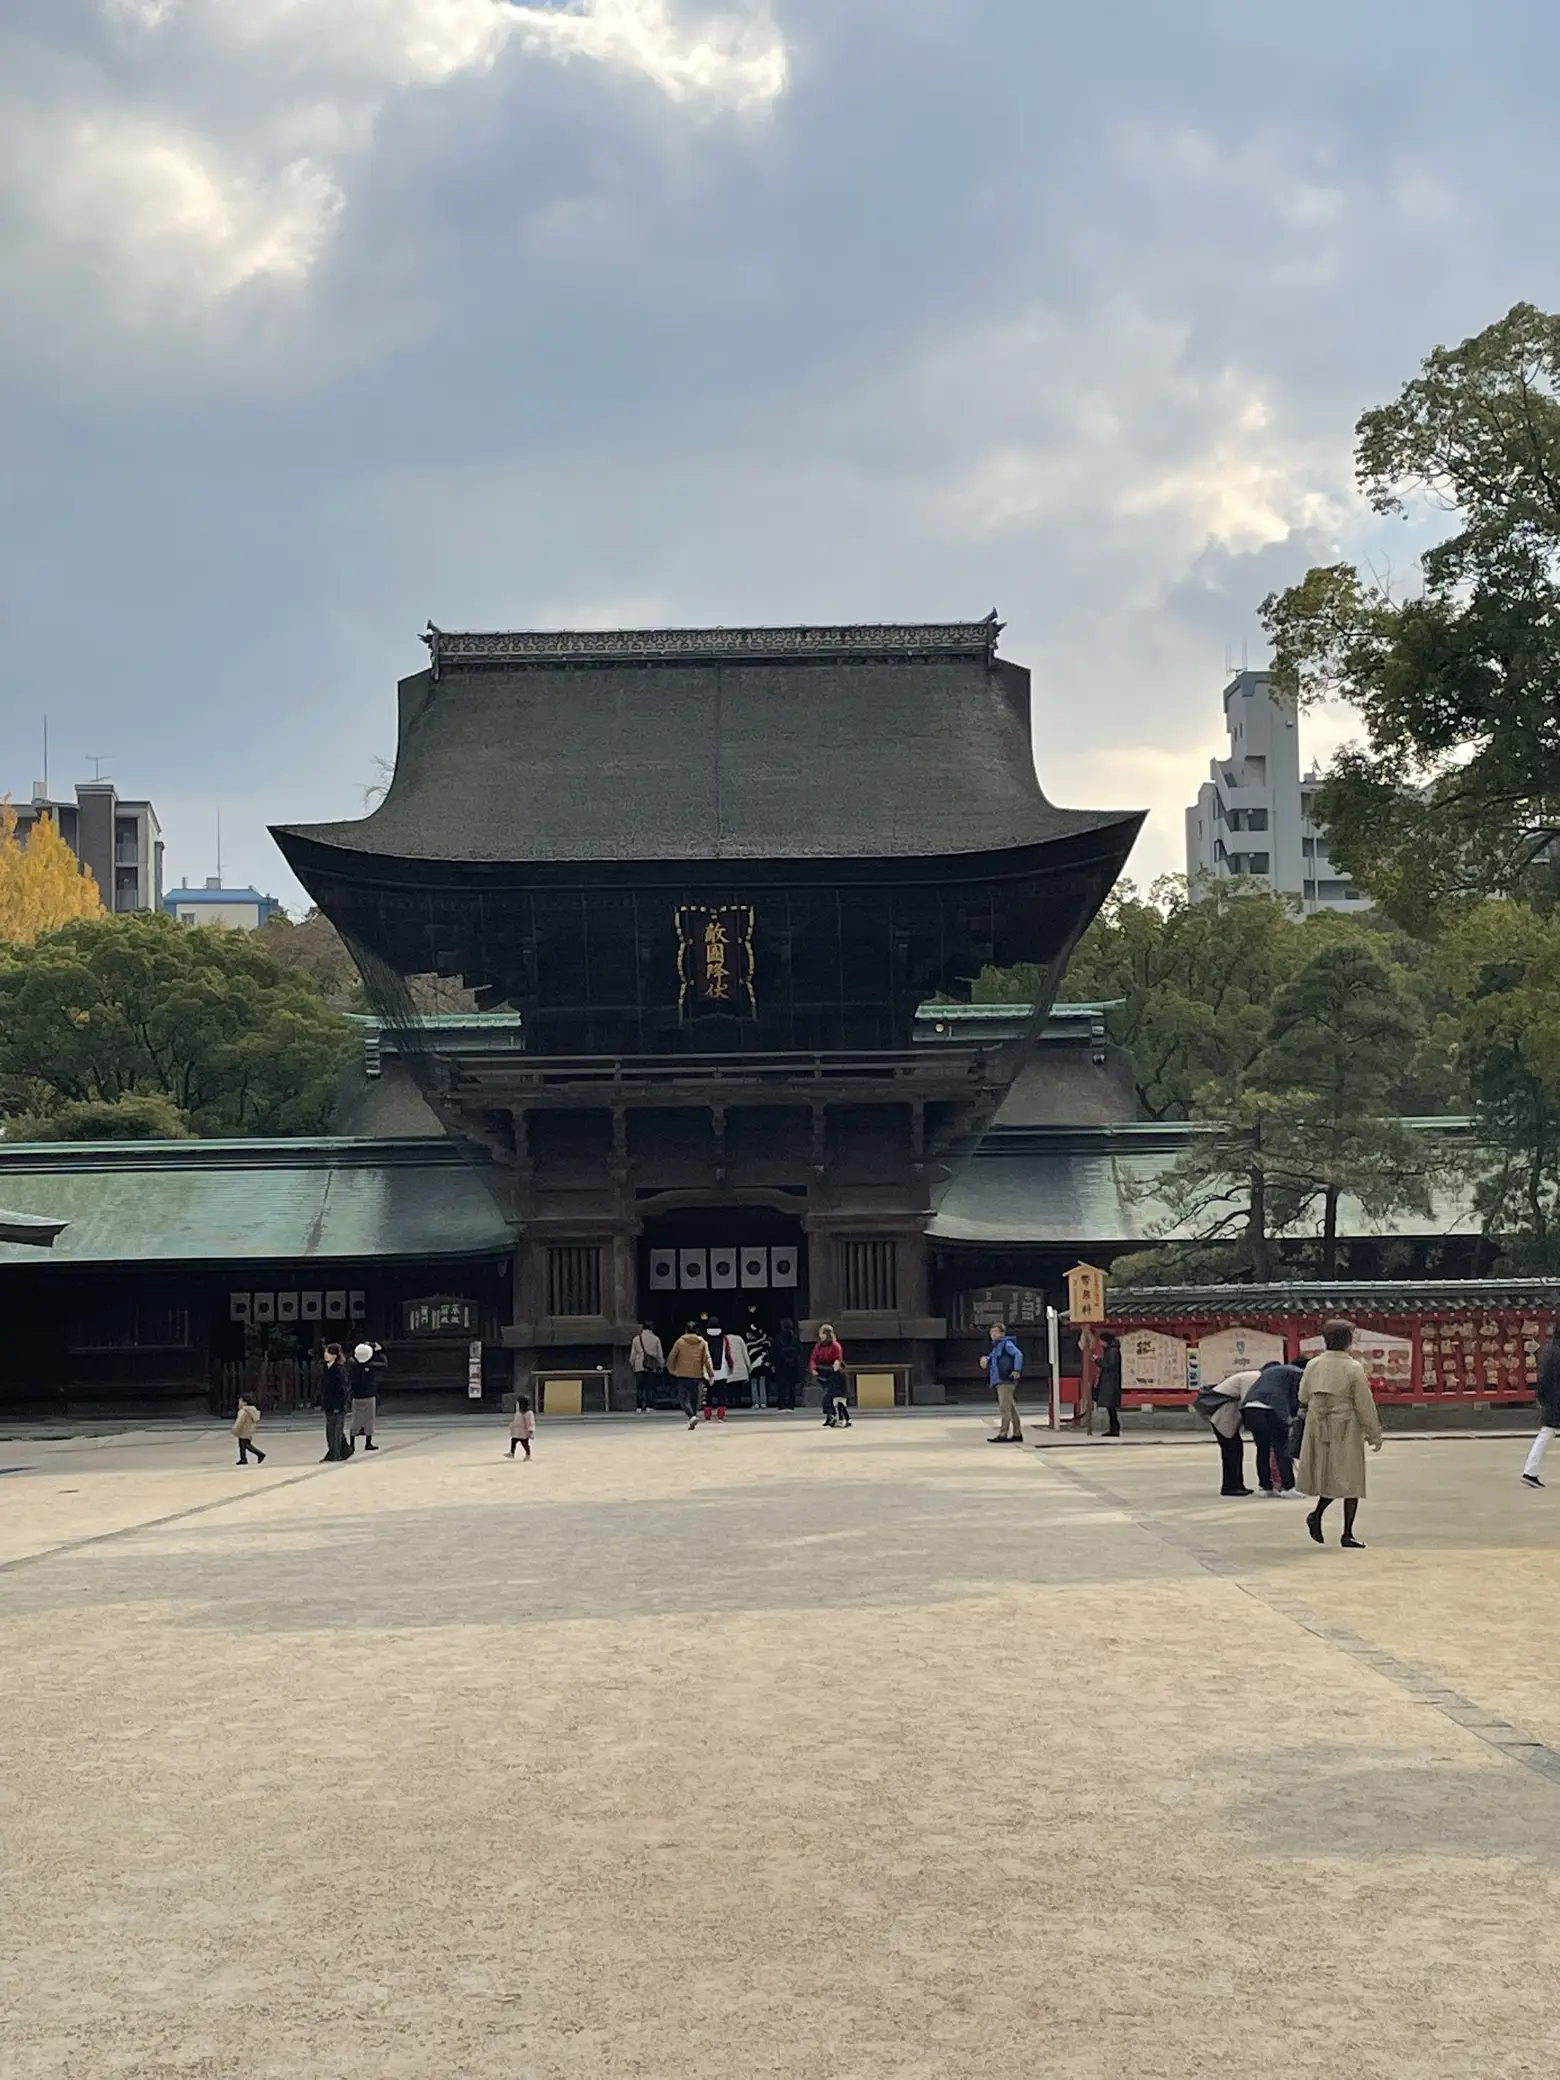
<point x="1361" y="1804"/>
<point x="786" y="1546"/>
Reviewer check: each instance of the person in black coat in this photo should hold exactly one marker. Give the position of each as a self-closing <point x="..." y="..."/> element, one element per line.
<point x="333" y="1400"/>
<point x="785" y="1363"/>
<point x="1548" y="1397"/>
<point x="1107" y="1388"/>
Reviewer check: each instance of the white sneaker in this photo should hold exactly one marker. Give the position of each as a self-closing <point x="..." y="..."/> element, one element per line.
<point x="1289" y="1494"/>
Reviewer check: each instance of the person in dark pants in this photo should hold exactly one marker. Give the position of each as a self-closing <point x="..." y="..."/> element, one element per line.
<point x="1267" y="1409"/>
<point x="647" y="1362"/>
<point x="333" y="1400"/>
<point x="1219" y="1408"/>
<point x="1107" y="1388"/>
<point x="689" y="1364"/>
<point x="245" y="1423"/>
<point x="785" y="1363"/>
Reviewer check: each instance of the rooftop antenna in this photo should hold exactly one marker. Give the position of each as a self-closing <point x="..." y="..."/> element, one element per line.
<point x="46" y="758"/>
<point x="1243" y="664"/>
<point x="1229" y="660"/>
<point x="97" y="764"/>
<point x="219" y="848"/>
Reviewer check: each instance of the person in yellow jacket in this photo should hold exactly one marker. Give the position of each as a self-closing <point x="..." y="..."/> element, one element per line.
<point x="690" y="1364"/>
<point x="245" y="1424"/>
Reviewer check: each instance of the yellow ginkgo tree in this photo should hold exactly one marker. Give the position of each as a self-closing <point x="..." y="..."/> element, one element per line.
<point x="42" y="883"/>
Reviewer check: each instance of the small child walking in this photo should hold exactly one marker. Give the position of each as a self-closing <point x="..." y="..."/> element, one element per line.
<point x="523" y="1428"/>
<point x="245" y="1423"/>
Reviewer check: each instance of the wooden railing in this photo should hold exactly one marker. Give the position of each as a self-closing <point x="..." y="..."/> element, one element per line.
<point x="274" y="1385"/>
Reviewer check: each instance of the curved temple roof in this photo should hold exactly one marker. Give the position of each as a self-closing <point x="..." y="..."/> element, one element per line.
<point x="860" y="742"/>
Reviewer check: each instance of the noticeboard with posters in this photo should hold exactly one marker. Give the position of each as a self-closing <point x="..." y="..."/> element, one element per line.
<point x="1016" y="1307"/>
<point x="1236" y="1350"/>
<point x="1152" y="1363"/>
<point x="1388" y="1360"/>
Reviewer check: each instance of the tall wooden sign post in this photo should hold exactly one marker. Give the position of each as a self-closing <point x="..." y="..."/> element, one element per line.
<point x="1085" y="1307"/>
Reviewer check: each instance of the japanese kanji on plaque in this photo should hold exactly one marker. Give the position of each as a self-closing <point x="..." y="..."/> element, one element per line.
<point x="715" y="960"/>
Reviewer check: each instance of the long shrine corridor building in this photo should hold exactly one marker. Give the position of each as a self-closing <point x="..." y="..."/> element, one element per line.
<point x="715" y="875"/>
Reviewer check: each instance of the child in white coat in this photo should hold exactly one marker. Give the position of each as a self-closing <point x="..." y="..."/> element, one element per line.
<point x="245" y="1423"/>
<point x="523" y="1428"/>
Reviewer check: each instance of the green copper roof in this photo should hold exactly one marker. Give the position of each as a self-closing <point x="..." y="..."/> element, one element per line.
<point x="1070" y="1186"/>
<point x="355" y="1200"/>
<point x="250" y="1201"/>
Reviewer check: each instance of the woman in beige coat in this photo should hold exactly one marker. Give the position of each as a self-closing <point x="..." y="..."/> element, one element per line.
<point x="1340" y="1420"/>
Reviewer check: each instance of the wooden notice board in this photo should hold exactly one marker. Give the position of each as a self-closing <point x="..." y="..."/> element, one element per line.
<point x="1086" y="1293"/>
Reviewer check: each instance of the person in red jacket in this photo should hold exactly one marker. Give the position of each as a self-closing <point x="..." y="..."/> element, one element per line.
<point x="827" y="1366"/>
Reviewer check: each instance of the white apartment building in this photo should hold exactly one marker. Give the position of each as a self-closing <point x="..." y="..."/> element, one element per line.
<point x="1254" y="813"/>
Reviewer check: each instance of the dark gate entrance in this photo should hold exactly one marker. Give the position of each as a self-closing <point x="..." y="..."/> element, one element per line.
<point x="731" y="1264"/>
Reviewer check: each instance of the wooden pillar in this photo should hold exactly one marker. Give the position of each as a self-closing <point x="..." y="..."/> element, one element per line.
<point x="620" y="1295"/>
<point x="529" y="1305"/>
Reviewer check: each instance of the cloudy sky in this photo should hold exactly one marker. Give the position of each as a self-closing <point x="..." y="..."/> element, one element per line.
<point x="323" y="317"/>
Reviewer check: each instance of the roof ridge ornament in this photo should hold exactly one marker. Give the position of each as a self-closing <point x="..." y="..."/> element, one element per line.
<point x="801" y="641"/>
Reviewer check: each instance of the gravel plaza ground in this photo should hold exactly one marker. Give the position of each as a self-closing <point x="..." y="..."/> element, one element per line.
<point x="770" y="1751"/>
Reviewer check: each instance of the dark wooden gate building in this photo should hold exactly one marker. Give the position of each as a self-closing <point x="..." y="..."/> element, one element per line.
<point x="716" y="871"/>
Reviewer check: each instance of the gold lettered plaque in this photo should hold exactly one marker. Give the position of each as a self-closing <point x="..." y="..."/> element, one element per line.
<point x="715" y="960"/>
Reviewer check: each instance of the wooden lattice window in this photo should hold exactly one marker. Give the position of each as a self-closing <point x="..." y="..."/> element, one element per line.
<point x="871" y="1282"/>
<point x="574" y="1278"/>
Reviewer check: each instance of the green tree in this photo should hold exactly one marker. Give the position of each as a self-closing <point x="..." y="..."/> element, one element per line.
<point x="1339" y="1034"/>
<point x="1502" y="964"/>
<point x="1458" y="686"/>
<point x="314" y="949"/>
<point x="1193" y="977"/>
<point x="120" y="1007"/>
<point x="1227" y="1196"/>
<point x="1309" y="1120"/>
<point x="147" y="1117"/>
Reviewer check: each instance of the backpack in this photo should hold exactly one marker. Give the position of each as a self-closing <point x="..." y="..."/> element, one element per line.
<point x="1209" y="1402"/>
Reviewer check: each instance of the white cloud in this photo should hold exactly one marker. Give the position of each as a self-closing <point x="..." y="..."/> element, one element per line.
<point x="732" y="56"/>
<point x="130" y="200"/>
<point x="1108" y="419"/>
<point x="141" y="14"/>
<point x="161" y="214"/>
<point x="737" y="59"/>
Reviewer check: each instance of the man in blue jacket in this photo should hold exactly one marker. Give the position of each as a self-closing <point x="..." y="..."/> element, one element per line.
<point x="1004" y="1364"/>
<point x="1268" y="1408"/>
